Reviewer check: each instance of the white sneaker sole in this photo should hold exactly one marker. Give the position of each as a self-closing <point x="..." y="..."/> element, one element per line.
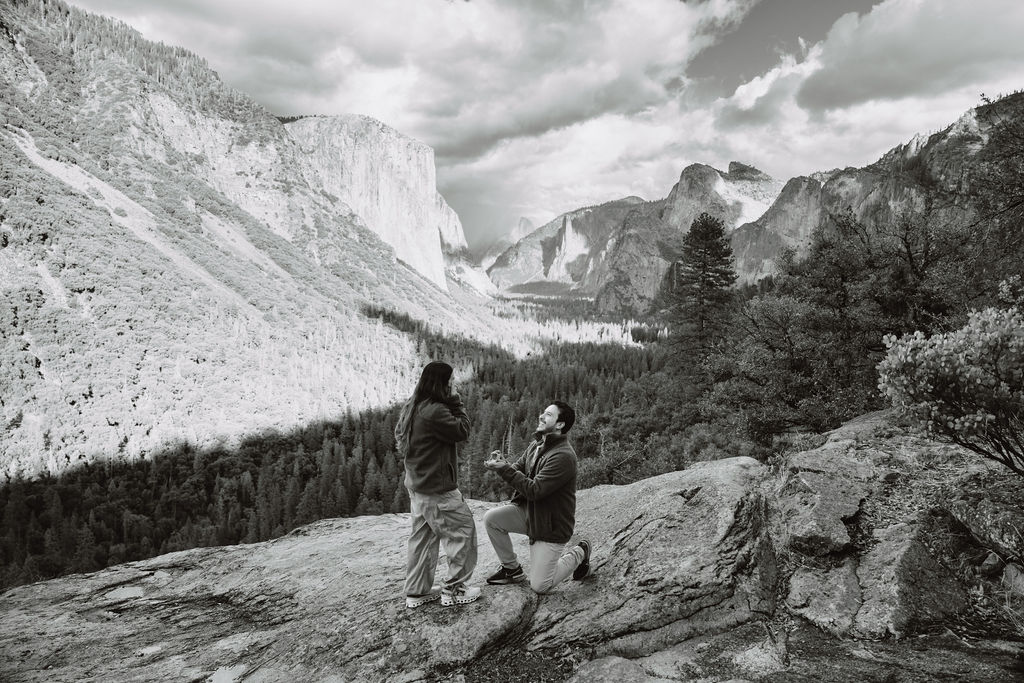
<point x="449" y="601"/>
<point x="413" y="603"/>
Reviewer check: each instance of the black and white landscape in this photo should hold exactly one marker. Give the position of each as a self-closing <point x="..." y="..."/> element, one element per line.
<point x="799" y="379"/>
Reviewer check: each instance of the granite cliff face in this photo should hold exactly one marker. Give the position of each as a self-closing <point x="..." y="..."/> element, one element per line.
<point x="649" y="239"/>
<point x="787" y="224"/>
<point x="389" y="180"/>
<point x="927" y="179"/>
<point x="619" y="253"/>
<point x="818" y="569"/>
<point x="567" y="254"/>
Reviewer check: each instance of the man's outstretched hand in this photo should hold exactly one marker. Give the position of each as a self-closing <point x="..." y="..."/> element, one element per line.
<point x="495" y="460"/>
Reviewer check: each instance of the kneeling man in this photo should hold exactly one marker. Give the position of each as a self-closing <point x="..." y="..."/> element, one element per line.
<point x="543" y="507"/>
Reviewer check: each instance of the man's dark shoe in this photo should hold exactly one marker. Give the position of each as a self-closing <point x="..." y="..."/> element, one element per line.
<point x="503" y="576"/>
<point x="584" y="568"/>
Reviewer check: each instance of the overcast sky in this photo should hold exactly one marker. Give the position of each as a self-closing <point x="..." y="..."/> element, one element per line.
<point x="537" y="107"/>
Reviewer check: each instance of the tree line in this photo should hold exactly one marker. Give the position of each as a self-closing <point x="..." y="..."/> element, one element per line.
<point x="108" y="512"/>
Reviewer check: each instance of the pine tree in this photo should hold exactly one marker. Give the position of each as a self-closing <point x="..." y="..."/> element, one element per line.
<point x="701" y="292"/>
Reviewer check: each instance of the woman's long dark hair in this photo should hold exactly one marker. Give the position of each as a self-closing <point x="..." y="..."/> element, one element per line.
<point x="433" y="384"/>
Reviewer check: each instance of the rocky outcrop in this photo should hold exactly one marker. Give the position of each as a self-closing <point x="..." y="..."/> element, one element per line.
<point x="687" y="568"/>
<point x="675" y="556"/>
<point x="902" y="586"/>
<point x="999" y="525"/>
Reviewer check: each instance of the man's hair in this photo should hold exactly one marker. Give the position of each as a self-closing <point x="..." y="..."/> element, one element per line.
<point x="566" y="415"/>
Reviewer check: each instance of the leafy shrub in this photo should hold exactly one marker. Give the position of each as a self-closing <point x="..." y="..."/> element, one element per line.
<point x="966" y="385"/>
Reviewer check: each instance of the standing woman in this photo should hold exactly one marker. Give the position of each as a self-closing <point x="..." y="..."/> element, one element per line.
<point x="431" y="422"/>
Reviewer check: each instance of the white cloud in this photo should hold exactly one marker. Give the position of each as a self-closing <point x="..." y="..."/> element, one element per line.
<point x="875" y="81"/>
<point x="538" y="107"/>
<point x="914" y="48"/>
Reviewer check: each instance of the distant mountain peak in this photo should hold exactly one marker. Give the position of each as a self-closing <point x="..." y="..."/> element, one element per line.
<point x="741" y="171"/>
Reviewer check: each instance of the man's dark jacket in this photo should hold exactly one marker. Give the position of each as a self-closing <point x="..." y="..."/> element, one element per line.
<point x="431" y="464"/>
<point x="547" y="488"/>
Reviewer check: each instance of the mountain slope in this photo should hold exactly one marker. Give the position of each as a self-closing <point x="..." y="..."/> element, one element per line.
<point x="489" y="255"/>
<point x="169" y="272"/>
<point x="649" y="240"/>
<point x="931" y="180"/>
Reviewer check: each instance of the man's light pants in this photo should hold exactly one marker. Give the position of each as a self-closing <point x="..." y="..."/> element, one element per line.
<point x="548" y="566"/>
<point x="439" y="518"/>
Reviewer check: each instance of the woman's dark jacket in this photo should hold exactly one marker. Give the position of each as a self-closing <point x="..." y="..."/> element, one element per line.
<point x="431" y="464"/>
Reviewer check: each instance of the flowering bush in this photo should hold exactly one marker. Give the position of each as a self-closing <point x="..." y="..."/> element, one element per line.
<point x="966" y="385"/>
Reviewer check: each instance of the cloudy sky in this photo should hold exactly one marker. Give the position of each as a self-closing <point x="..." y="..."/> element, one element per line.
<point x="536" y="107"/>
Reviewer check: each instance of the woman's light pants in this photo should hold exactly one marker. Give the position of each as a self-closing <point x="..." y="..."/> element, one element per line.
<point x="442" y="518"/>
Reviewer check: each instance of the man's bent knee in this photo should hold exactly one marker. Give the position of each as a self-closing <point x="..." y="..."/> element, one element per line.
<point x="541" y="587"/>
<point x="492" y="518"/>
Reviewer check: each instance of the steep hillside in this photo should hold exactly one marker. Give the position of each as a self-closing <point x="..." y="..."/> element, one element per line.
<point x="939" y="180"/>
<point x="173" y="269"/>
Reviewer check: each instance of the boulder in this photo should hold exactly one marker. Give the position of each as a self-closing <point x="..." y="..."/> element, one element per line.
<point x="820" y="491"/>
<point x="828" y="598"/>
<point x="998" y="526"/>
<point x="902" y="586"/>
<point x="1013" y="579"/>
<point x="677" y="555"/>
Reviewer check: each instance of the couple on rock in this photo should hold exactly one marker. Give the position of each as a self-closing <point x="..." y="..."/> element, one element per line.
<point x="543" y="506"/>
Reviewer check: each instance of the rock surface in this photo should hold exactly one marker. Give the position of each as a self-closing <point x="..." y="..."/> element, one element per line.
<point x="999" y="525"/>
<point x="902" y="586"/>
<point x="389" y="180"/>
<point x="675" y="555"/>
<point x="688" y="571"/>
<point x="567" y="253"/>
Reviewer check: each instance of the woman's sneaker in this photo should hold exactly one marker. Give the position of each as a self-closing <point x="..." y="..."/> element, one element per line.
<point x="503" y="576"/>
<point x="459" y="596"/>
<point x="414" y="601"/>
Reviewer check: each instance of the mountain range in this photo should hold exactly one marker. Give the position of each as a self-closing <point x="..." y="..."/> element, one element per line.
<point x="618" y="252"/>
<point x="181" y="265"/>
